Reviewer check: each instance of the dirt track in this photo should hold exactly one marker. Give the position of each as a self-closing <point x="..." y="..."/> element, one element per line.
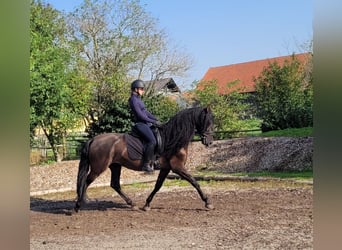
<point x="254" y="217"/>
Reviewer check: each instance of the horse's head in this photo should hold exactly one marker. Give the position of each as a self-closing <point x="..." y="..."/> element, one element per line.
<point x="205" y="126"/>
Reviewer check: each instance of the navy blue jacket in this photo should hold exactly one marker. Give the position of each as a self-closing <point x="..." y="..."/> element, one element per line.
<point x="139" y="110"/>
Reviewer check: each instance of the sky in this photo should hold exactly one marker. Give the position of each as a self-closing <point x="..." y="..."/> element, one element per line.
<point x="223" y="32"/>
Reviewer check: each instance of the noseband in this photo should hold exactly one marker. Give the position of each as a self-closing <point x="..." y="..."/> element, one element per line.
<point x="203" y="131"/>
<point x="204" y="137"/>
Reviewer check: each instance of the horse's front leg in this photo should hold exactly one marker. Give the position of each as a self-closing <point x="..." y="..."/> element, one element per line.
<point x="183" y="173"/>
<point x="161" y="178"/>
<point x="177" y="166"/>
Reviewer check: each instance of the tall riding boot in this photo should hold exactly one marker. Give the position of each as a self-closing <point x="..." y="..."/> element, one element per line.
<point x="147" y="159"/>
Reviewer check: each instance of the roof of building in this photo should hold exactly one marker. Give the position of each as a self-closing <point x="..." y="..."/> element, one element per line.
<point x="166" y="84"/>
<point x="244" y="73"/>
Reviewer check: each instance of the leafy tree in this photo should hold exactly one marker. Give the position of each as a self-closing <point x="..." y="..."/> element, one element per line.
<point x="118" y="117"/>
<point x="82" y="64"/>
<point x="49" y="69"/>
<point x="115" y="119"/>
<point x="79" y="91"/>
<point x="118" y="41"/>
<point x="161" y="106"/>
<point x="109" y="36"/>
<point x="232" y="112"/>
<point x="285" y="95"/>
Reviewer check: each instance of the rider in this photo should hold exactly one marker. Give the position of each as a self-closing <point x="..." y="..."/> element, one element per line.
<point x="143" y="119"/>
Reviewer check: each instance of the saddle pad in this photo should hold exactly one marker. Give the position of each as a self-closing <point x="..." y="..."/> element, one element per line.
<point x="134" y="147"/>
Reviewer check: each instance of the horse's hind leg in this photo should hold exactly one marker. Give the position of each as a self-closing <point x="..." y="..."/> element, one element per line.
<point x="161" y="178"/>
<point x="90" y="179"/>
<point x="115" y="184"/>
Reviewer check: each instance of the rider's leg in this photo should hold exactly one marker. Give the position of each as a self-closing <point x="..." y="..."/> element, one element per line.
<point x="147" y="164"/>
<point x="150" y="143"/>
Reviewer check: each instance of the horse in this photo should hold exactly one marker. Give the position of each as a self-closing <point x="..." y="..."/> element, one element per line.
<point x="109" y="150"/>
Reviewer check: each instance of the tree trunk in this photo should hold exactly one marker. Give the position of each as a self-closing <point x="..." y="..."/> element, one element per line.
<point x="56" y="154"/>
<point x="56" y="149"/>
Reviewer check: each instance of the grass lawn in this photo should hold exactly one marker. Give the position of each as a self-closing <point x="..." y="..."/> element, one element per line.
<point x="291" y="132"/>
<point x="306" y="174"/>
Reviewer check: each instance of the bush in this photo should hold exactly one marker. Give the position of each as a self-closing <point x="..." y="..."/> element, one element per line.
<point x="161" y="106"/>
<point x="116" y="119"/>
<point x="232" y="111"/>
<point x="285" y="96"/>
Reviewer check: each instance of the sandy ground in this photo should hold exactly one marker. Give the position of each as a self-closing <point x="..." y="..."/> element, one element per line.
<point x="247" y="214"/>
<point x="254" y="217"/>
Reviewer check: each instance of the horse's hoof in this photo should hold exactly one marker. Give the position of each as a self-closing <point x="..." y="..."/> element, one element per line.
<point x="134" y="208"/>
<point x="209" y="206"/>
<point x="146" y="208"/>
<point x="68" y="213"/>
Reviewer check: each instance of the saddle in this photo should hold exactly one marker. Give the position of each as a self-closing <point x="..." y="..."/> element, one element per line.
<point x="135" y="144"/>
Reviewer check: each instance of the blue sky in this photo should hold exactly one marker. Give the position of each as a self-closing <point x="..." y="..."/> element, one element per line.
<point x="223" y="32"/>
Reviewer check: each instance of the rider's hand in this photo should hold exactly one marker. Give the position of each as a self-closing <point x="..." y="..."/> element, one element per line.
<point x="157" y="124"/>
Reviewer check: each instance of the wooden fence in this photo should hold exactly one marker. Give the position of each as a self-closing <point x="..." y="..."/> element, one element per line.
<point x="41" y="151"/>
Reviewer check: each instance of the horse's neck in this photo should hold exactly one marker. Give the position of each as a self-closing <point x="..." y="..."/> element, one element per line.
<point x="170" y="127"/>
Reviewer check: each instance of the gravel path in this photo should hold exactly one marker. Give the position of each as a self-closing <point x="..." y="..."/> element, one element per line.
<point x="60" y="177"/>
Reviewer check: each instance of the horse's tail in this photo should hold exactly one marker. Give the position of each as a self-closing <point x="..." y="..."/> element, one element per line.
<point x="83" y="170"/>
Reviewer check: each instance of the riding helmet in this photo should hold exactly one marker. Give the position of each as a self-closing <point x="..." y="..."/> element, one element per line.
<point x="137" y="84"/>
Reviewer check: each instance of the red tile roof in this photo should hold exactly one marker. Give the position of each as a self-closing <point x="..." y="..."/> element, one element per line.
<point x="244" y="72"/>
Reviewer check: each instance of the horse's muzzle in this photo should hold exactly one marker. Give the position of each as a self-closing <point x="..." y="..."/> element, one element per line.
<point x="207" y="140"/>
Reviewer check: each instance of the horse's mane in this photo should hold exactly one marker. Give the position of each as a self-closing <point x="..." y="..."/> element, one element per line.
<point x="179" y="130"/>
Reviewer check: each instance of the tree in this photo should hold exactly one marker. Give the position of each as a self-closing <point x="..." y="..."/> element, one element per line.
<point x="49" y="74"/>
<point x="230" y="111"/>
<point x="119" y="41"/>
<point x="285" y="95"/>
<point x="109" y="37"/>
<point x="117" y="119"/>
<point x="161" y="106"/>
<point x="163" y="62"/>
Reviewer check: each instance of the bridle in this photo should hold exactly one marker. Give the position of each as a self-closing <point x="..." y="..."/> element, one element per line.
<point x="205" y="133"/>
<point x="204" y="137"/>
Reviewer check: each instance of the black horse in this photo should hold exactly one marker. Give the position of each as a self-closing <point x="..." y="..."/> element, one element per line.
<point x="110" y="150"/>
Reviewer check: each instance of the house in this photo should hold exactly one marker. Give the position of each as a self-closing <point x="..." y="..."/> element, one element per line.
<point x="163" y="86"/>
<point x="166" y="87"/>
<point x="243" y="73"/>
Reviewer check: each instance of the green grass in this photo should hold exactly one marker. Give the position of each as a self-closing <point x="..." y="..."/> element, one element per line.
<point x="291" y="132"/>
<point x="176" y="182"/>
<point x="140" y="185"/>
<point x="305" y="174"/>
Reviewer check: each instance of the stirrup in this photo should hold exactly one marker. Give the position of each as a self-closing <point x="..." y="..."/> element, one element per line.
<point x="156" y="165"/>
<point x="147" y="168"/>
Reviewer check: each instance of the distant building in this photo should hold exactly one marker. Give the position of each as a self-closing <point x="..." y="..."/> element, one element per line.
<point x="163" y="86"/>
<point x="243" y="73"/>
<point x="166" y="87"/>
